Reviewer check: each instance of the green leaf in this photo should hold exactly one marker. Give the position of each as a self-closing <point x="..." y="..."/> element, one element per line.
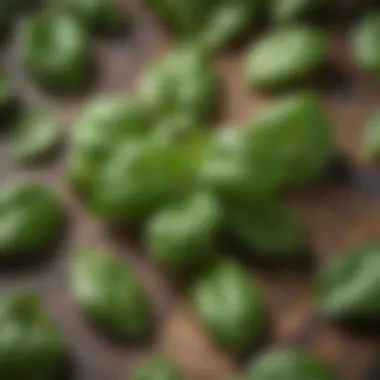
<point x="104" y="122"/>
<point x="7" y="95"/>
<point x="371" y="140"/>
<point x="290" y="143"/>
<point x="288" y="364"/>
<point x="182" y="84"/>
<point x="140" y="176"/>
<point x="181" y="237"/>
<point x="31" y="345"/>
<point x="36" y="136"/>
<point x="31" y="220"/>
<point x="349" y="286"/>
<point x="110" y="295"/>
<point x="102" y="125"/>
<point x="62" y="62"/>
<point x="213" y="24"/>
<point x="268" y="228"/>
<point x="366" y="37"/>
<point x="287" y="145"/>
<point x="287" y="11"/>
<point x="104" y="16"/>
<point x="158" y="367"/>
<point x="230" y="308"/>
<point x="225" y="168"/>
<point x="286" y="56"/>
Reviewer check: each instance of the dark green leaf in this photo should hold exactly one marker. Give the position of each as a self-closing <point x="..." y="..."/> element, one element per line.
<point x="182" y="236"/>
<point x="56" y="50"/>
<point x="31" y="219"/>
<point x="31" y="345"/>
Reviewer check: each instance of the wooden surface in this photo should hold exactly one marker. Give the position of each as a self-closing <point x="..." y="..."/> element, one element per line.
<point x="341" y="210"/>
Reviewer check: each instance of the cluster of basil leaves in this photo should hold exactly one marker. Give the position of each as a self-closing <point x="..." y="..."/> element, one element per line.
<point x="151" y="161"/>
